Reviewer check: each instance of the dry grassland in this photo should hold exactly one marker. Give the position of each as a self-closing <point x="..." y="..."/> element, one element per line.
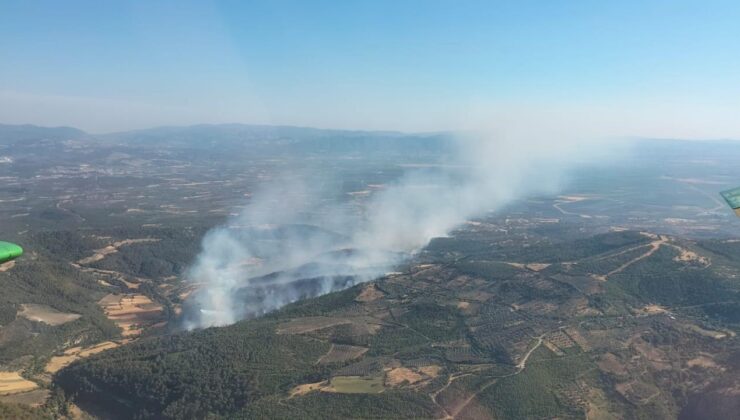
<point x="13" y="383"/>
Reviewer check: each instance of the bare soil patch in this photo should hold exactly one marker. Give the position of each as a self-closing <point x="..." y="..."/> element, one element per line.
<point x="703" y="362"/>
<point x="400" y="376"/>
<point x="432" y="370"/>
<point x="537" y="266"/>
<point x="46" y="314"/>
<point x="7" y="266"/>
<point x="101" y="253"/>
<point x="306" y="388"/>
<point x="689" y="256"/>
<point x="717" y="335"/>
<point x="652" y="310"/>
<point x="529" y="266"/>
<point x="369" y="294"/>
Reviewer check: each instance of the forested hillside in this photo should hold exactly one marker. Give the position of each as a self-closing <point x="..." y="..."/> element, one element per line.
<point x="489" y="333"/>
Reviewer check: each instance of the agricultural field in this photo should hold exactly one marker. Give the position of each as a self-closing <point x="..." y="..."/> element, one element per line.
<point x="14" y="383"/>
<point x="355" y="385"/>
<point x="70" y="355"/>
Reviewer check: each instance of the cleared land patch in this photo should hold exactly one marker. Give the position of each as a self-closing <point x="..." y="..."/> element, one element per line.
<point x="101" y="253"/>
<point x="56" y="363"/>
<point x="530" y="266"/>
<point x="13" y="383"/>
<point x="401" y="376"/>
<point x="356" y="385"/>
<point x="131" y="311"/>
<point x="306" y="388"/>
<point x="704" y="362"/>
<point x="651" y="310"/>
<point x="7" y="266"/>
<point x="369" y="294"/>
<point x="686" y="255"/>
<point x="463" y="305"/>
<point x="46" y="314"/>
<point x="431" y="370"/>
<point x="717" y="335"/>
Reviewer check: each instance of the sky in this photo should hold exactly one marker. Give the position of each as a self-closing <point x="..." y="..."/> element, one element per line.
<point x="617" y="68"/>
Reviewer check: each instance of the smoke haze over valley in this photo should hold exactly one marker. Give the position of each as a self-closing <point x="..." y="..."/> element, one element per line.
<point x="296" y="238"/>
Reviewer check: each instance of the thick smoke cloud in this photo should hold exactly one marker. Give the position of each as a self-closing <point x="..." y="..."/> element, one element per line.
<point x="292" y="242"/>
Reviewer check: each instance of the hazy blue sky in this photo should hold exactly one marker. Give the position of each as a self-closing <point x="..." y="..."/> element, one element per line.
<point x="653" y="68"/>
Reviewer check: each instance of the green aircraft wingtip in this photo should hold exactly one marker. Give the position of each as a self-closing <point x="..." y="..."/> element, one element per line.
<point x="732" y="197"/>
<point x="9" y="251"/>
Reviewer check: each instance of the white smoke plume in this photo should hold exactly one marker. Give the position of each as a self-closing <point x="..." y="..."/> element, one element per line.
<point x="291" y="242"/>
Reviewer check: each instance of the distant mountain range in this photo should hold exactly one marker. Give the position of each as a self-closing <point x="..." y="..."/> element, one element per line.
<point x="302" y="141"/>
<point x="233" y="136"/>
<point x="12" y="133"/>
